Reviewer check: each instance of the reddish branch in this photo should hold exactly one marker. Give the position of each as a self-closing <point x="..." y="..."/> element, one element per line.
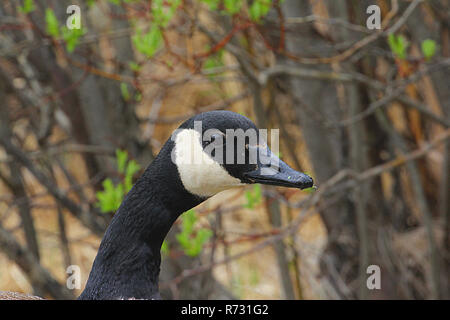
<point x="282" y="26"/>
<point x="225" y="40"/>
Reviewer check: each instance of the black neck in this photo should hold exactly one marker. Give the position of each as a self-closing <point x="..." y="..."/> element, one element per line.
<point x="128" y="260"/>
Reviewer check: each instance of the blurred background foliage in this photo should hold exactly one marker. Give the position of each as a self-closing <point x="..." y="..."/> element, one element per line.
<point x="365" y="112"/>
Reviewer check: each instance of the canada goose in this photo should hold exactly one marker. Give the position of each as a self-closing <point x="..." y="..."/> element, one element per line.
<point x="186" y="172"/>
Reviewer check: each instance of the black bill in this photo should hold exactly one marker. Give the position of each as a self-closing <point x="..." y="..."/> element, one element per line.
<point x="276" y="172"/>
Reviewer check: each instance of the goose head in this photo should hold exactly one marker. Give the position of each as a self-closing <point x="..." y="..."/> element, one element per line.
<point x="207" y="154"/>
<point x="218" y="150"/>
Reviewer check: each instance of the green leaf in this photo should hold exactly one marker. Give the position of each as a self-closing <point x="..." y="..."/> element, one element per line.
<point x="163" y="11"/>
<point x="232" y="6"/>
<point x="110" y="198"/>
<point x="189" y="219"/>
<point x="198" y="241"/>
<point x="124" y="91"/>
<point x="134" y="66"/>
<point x="428" y="48"/>
<point x="165" y="248"/>
<point x="148" y="43"/>
<point x="212" y="4"/>
<point x="122" y="157"/>
<point x="190" y="240"/>
<point x="398" y="45"/>
<point x="132" y="168"/>
<point x="254" y="276"/>
<point x="28" y="6"/>
<point x="259" y="9"/>
<point x="253" y="197"/>
<point x="52" y="27"/>
<point x="214" y="61"/>
<point x="255" y="11"/>
<point x="138" y="96"/>
<point x="72" y="37"/>
<point x="310" y="190"/>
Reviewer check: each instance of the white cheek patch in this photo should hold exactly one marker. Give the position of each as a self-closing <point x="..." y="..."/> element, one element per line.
<point x="199" y="173"/>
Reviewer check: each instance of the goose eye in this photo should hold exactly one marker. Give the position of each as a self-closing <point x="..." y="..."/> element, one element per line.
<point x="215" y="137"/>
